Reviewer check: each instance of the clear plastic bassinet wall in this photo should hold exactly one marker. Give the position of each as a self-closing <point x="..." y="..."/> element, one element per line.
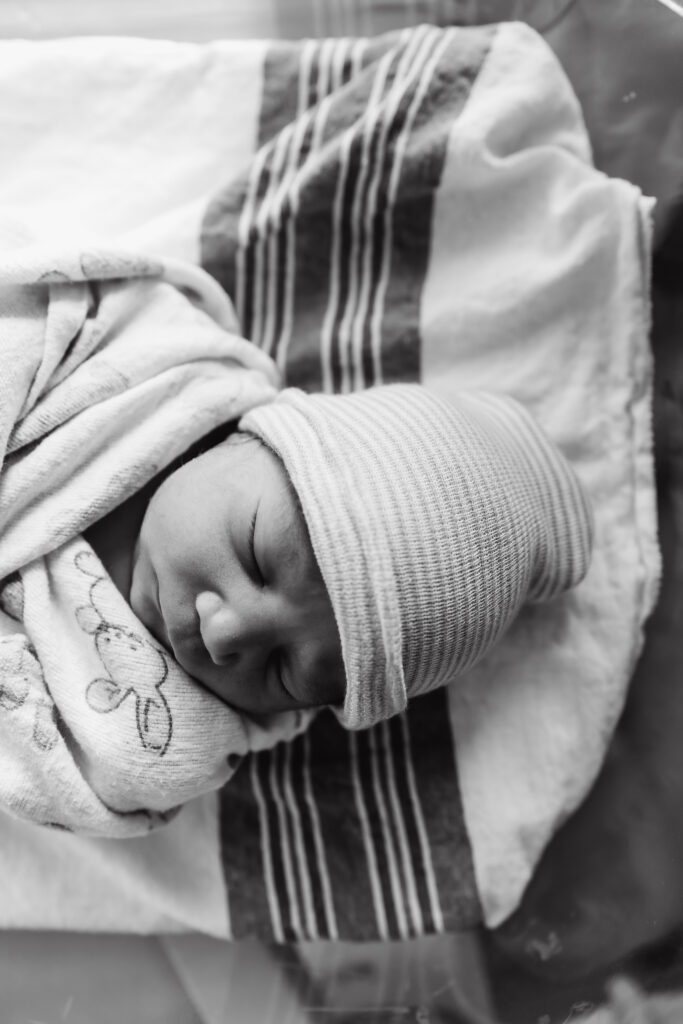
<point x="395" y="930"/>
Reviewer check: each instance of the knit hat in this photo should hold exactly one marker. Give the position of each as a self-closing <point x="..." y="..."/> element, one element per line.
<point x="432" y="522"/>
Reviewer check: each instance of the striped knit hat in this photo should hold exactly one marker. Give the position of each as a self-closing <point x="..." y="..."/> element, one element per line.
<point x="432" y="523"/>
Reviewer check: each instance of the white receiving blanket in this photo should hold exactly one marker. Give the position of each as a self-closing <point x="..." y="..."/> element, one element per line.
<point x="109" y="371"/>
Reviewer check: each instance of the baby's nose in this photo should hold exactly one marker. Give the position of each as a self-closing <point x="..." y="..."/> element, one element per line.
<point x="228" y="632"/>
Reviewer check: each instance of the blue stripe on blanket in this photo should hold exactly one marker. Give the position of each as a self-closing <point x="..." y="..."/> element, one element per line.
<point x="324" y="246"/>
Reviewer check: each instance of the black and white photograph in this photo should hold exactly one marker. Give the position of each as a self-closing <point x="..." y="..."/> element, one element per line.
<point x="341" y="512"/>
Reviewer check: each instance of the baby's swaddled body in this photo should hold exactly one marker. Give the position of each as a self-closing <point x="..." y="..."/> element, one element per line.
<point x="193" y="563"/>
<point x="104" y="385"/>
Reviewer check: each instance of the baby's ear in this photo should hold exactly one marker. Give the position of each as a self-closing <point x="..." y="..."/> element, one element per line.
<point x="88" y="619"/>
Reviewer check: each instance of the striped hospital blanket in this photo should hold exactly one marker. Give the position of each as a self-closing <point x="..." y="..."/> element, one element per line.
<point x="330" y="244"/>
<point x="324" y="244"/>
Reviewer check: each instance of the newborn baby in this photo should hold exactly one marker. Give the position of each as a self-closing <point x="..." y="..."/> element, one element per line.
<point x="351" y="551"/>
<point x="225" y="577"/>
<point x="347" y="551"/>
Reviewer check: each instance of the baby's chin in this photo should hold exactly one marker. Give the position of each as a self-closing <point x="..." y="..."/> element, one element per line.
<point x="258" y="708"/>
<point x="265" y="731"/>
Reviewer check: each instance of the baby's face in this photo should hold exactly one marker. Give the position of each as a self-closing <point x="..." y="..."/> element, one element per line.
<point x="225" y="577"/>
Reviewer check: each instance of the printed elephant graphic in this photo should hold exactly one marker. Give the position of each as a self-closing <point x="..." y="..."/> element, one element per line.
<point x="20" y="672"/>
<point x="125" y="655"/>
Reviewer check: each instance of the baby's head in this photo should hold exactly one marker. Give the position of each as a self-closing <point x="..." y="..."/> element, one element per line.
<point x="225" y="576"/>
<point x="356" y="550"/>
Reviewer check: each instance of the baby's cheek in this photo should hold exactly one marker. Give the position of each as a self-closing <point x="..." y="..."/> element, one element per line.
<point x="323" y="679"/>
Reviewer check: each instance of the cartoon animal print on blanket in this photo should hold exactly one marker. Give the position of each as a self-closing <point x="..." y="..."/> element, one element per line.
<point x="20" y="674"/>
<point x="125" y="655"/>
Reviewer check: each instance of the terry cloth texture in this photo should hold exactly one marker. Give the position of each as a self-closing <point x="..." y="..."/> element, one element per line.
<point x="433" y="522"/>
<point x="108" y="373"/>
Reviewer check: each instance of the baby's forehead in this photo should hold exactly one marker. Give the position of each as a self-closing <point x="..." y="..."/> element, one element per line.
<point x="284" y="500"/>
<point x="281" y="522"/>
<point x="251" y="443"/>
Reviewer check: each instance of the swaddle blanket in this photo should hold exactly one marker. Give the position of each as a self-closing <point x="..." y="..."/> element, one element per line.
<point x="417" y="206"/>
<point x="109" y="371"/>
